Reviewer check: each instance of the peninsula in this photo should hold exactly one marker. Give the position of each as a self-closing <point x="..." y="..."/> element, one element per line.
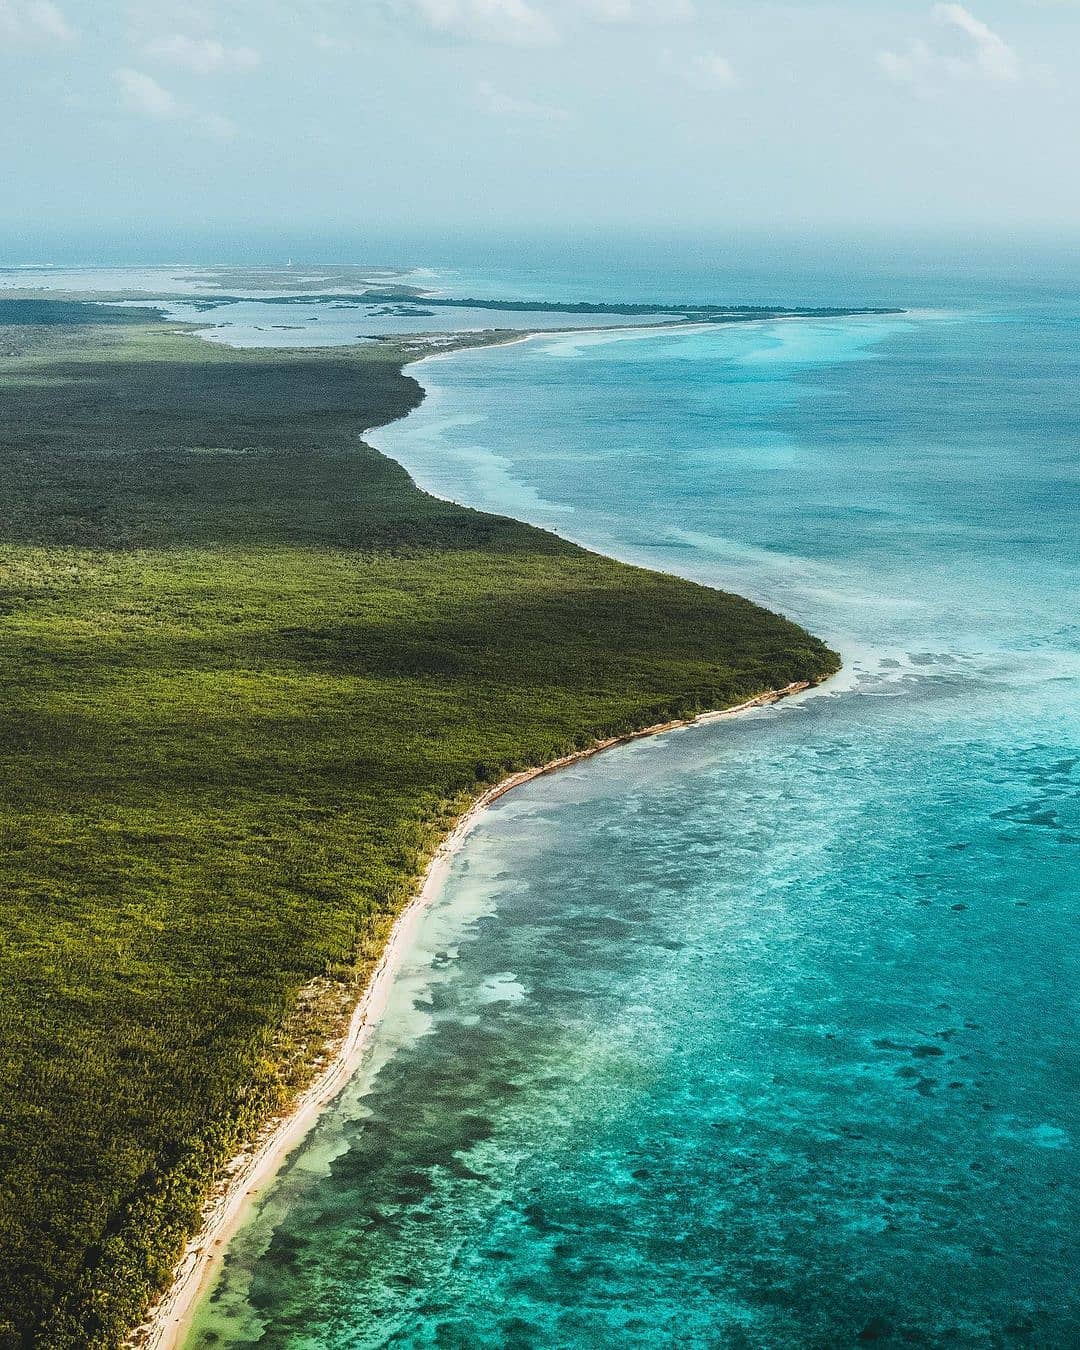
<point x="252" y="678"/>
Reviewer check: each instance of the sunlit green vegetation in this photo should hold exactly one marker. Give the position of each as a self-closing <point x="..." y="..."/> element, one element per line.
<point x="250" y="674"/>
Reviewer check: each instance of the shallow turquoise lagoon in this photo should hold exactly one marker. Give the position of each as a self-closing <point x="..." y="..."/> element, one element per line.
<point x="760" y="1034"/>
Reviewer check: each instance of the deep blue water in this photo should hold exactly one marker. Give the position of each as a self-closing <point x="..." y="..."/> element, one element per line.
<point x="760" y="1034"/>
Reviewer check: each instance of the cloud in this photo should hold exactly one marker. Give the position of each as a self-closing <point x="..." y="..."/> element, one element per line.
<point x="142" y="94"/>
<point x="706" y="70"/>
<point x="217" y="125"/>
<point x="986" y="55"/>
<point x="911" y="67"/>
<point x="204" y="56"/>
<point x="39" y="20"/>
<point x="49" y="22"/>
<point x="641" y="11"/>
<point x="492" y="100"/>
<point x="516" y="23"/>
<point x="993" y="56"/>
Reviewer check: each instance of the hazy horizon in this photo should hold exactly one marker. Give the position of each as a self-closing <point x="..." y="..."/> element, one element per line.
<point x="1030" y="259"/>
<point x="173" y="125"/>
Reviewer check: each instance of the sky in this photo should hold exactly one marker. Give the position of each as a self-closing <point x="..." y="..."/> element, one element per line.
<point x="165" y="118"/>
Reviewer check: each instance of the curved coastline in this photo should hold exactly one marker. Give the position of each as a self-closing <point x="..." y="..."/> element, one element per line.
<point x="411" y="936"/>
<point x="251" y="1171"/>
<point x="170" y="1318"/>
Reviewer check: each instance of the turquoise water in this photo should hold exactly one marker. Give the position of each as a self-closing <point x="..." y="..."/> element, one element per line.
<point x="760" y="1034"/>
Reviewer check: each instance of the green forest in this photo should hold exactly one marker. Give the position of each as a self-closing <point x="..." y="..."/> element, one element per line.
<point x="251" y="676"/>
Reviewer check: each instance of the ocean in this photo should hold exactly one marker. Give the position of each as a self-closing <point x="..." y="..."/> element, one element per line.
<point x="762" y="1033"/>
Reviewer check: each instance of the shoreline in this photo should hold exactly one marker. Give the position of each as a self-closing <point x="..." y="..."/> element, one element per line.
<point x="252" y="1170"/>
<point x="249" y="1172"/>
<point x="481" y="338"/>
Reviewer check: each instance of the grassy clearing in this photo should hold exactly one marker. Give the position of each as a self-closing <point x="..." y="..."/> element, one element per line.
<point x="250" y="675"/>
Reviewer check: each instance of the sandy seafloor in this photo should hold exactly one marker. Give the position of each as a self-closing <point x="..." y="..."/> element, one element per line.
<point x="761" y="1034"/>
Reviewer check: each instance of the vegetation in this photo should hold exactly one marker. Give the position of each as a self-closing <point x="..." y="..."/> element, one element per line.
<point x="409" y="295"/>
<point x="250" y="676"/>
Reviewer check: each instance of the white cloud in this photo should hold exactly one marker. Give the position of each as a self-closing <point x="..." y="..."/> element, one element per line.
<point x="216" y="125"/>
<point x="205" y="56"/>
<point x="706" y="70"/>
<point x="142" y="94"/>
<point x="993" y="57"/>
<point x="499" y="104"/>
<point x="641" y="11"/>
<point x="38" y="20"/>
<point x="985" y="56"/>
<point x="517" y="23"/>
<point x="49" y="22"/>
<point x="910" y="67"/>
<point x="714" y="70"/>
